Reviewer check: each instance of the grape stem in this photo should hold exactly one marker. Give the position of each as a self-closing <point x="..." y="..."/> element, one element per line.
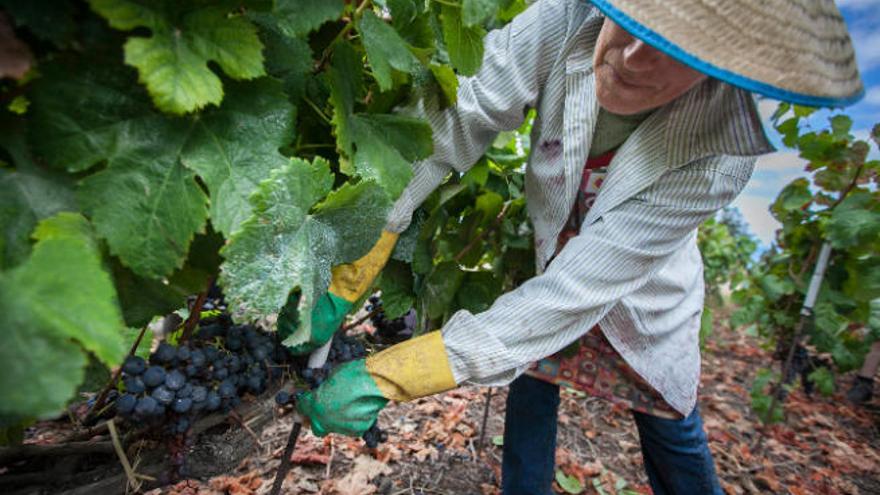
<point x="111" y="383"/>
<point x="195" y="312"/>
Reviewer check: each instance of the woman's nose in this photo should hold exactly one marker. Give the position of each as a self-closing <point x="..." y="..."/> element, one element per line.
<point x="638" y="56"/>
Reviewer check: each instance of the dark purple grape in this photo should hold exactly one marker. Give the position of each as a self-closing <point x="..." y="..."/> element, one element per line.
<point x="197" y="358"/>
<point x="183" y="353"/>
<point x="191" y="370"/>
<point x="163" y="395"/>
<point x="145" y="406"/>
<point x="154" y="376"/>
<point x="226" y="389"/>
<point x="199" y="393"/>
<point x="185" y="391"/>
<point x="134" y="385"/>
<point x="165" y="353"/>
<point x="211" y="353"/>
<point x="282" y="398"/>
<point x="134" y="365"/>
<point x="181" y="405"/>
<point x="175" y="380"/>
<point x="255" y="384"/>
<point x="233" y="344"/>
<point x="212" y="402"/>
<point x="221" y="373"/>
<point x="125" y="404"/>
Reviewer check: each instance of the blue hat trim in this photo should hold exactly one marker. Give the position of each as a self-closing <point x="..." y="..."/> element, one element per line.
<point x="659" y="42"/>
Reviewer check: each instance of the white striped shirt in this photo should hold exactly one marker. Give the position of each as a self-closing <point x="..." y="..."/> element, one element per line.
<point x="635" y="268"/>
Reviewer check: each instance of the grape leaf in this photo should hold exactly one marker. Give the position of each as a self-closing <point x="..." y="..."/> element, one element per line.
<point x="146" y="204"/>
<point x="385" y="49"/>
<point x="42" y="338"/>
<point x="28" y="194"/>
<point x="381" y="146"/>
<point x="854" y="220"/>
<point x="396" y="284"/>
<point x="440" y="287"/>
<point x="288" y="59"/>
<point x="464" y="44"/>
<point x="49" y="20"/>
<point x="299" y="17"/>
<point x="292" y="240"/>
<point x="173" y="62"/>
<point x="82" y="114"/>
<point x="474" y="12"/>
<point x="234" y="147"/>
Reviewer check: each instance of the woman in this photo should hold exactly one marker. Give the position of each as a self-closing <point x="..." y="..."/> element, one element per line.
<point x="652" y="98"/>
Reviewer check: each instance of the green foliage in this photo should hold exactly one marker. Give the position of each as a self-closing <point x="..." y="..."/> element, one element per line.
<point x="569" y="484"/>
<point x="57" y="304"/>
<point x="278" y="132"/>
<point x="173" y="62"/>
<point x="837" y="202"/>
<point x="299" y="230"/>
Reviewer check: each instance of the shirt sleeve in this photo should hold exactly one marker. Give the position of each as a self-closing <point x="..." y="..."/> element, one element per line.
<point x="517" y="60"/>
<point x="611" y="258"/>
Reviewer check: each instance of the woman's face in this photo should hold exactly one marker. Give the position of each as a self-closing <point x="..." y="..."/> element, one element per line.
<point x="632" y="77"/>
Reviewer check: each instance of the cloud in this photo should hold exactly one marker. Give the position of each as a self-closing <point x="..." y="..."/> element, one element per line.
<point x="867" y="46"/>
<point x="755" y="209"/>
<point x="781" y="161"/>
<point x="872" y="96"/>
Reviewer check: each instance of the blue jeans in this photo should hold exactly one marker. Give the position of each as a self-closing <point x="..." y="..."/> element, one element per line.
<point x="676" y="452"/>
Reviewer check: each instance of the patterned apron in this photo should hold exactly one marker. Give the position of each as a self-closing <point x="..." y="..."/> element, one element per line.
<point x="591" y="364"/>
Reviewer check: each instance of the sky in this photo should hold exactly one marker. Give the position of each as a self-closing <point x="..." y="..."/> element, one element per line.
<point x="774" y="171"/>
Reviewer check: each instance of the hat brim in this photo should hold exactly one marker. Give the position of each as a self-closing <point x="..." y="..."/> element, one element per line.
<point x="659" y="42"/>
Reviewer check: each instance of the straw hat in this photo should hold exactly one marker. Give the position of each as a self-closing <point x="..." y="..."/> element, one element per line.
<point x="793" y="50"/>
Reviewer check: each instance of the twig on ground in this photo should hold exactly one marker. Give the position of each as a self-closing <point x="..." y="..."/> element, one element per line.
<point x="133" y="480"/>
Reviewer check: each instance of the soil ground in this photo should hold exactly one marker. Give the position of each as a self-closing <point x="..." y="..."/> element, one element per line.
<point x="825" y="446"/>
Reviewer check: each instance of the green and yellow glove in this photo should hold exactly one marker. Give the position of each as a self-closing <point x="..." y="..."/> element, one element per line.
<point x="351" y="398"/>
<point x="347" y="284"/>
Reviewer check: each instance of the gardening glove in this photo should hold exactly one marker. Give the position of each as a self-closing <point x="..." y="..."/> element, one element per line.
<point x="347" y="284"/>
<point x="350" y="400"/>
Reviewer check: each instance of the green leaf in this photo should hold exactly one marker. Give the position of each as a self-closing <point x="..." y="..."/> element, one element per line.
<point x="794" y="196"/>
<point x="300" y="17"/>
<point x="823" y="378"/>
<point x="570" y="484"/>
<point x="147" y="210"/>
<point x="855" y="220"/>
<point x="706" y="324"/>
<point x="44" y="338"/>
<point x="440" y="287"/>
<point x="49" y="20"/>
<point x="382" y="147"/>
<point x="288" y="59"/>
<point x="28" y="194"/>
<point x="840" y="126"/>
<point x="475" y="12"/>
<point x="775" y="287"/>
<point x="478" y="291"/>
<point x="464" y="44"/>
<point x="292" y="240"/>
<point x="234" y="147"/>
<point x="447" y="81"/>
<point x="83" y="114"/>
<point x="396" y="284"/>
<point x="173" y="62"/>
<point x="385" y="49"/>
<point x="498" y="440"/>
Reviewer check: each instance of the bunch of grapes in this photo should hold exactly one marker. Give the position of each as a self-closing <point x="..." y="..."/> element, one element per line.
<point x="211" y="372"/>
<point x="342" y="350"/>
<point x="390" y="331"/>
